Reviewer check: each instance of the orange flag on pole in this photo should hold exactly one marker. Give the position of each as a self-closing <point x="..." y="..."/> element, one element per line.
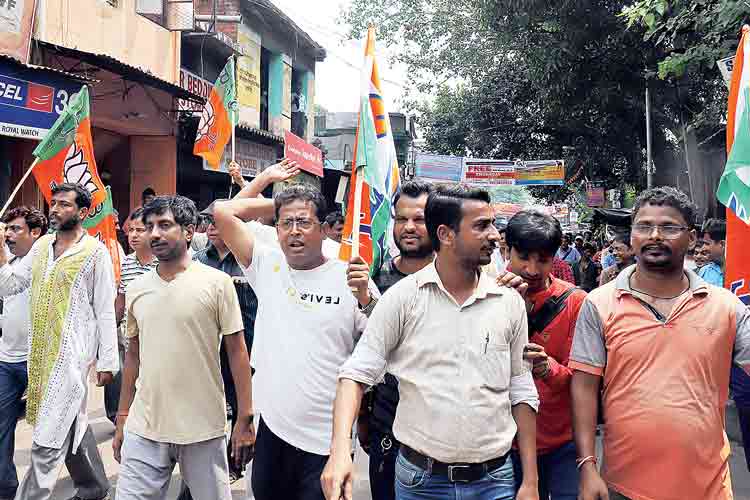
<point x="737" y="275"/>
<point x="218" y="119"/>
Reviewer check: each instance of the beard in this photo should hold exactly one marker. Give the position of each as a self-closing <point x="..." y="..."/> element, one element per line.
<point x="420" y="252"/>
<point x="67" y="224"/>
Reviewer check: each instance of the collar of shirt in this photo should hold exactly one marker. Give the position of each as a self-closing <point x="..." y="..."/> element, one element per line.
<point x="485" y="285"/>
<point x="697" y="285"/>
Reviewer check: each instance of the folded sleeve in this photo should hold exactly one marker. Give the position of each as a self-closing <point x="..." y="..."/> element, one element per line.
<point x="367" y="363"/>
<point x="589" y="353"/>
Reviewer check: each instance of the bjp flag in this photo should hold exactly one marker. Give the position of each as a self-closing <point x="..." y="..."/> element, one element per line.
<point x="218" y="119"/>
<point x="100" y="224"/>
<point x="66" y="154"/>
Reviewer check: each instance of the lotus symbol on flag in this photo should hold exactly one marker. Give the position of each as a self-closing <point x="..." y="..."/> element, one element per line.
<point x="207" y="120"/>
<point x="76" y="169"/>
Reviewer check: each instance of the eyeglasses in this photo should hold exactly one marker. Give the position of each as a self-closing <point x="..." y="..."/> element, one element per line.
<point x="668" y="231"/>
<point x="302" y="224"/>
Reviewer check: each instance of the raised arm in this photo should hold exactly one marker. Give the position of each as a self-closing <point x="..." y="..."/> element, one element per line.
<point x="278" y="172"/>
<point x="230" y="217"/>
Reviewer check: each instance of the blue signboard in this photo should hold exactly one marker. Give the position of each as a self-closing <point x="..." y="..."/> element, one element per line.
<point x="31" y="99"/>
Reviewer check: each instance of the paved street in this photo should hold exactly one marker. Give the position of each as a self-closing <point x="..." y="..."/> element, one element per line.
<point x="104" y="432"/>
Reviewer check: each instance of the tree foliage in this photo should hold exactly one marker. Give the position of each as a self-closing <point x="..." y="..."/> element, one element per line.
<point x="533" y="79"/>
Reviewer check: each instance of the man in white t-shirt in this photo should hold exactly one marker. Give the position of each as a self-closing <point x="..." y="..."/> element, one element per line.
<point x="308" y="322"/>
<point x="23" y="227"/>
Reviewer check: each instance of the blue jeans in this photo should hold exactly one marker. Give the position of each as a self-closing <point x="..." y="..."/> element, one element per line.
<point x="415" y="483"/>
<point x="13" y="382"/>
<point x="558" y="474"/>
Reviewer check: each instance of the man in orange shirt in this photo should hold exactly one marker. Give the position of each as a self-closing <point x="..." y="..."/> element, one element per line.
<point x="553" y="306"/>
<point x="662" y="342"/>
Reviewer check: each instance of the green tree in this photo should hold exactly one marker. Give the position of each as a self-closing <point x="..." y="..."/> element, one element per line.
<point x="531" y="79"/>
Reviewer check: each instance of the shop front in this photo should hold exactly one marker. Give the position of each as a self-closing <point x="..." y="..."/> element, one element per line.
<point x="31" y="99"/>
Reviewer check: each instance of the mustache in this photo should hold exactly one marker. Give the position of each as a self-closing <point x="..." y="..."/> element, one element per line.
<point x="662" y="248"/>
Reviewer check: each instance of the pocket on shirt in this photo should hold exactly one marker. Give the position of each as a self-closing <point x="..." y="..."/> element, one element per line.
<point x="494" y="366"/>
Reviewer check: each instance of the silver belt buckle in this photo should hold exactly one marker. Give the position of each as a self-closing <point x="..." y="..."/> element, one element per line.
<point x="451" y="468"/>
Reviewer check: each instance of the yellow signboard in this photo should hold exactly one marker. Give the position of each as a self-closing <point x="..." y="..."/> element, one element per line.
<point x="248" y="77"/>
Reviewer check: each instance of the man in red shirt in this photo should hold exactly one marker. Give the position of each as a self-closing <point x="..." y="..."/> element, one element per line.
<point x="553" y="306"/>
<point x="562" y="270"/>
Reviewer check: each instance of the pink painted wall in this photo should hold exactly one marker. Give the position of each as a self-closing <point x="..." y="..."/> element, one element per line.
<point x="153" y="163"/>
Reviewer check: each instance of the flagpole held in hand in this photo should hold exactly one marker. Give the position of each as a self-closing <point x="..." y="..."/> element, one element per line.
<point x="18" y="187"/>
<point x="357" y="216"/>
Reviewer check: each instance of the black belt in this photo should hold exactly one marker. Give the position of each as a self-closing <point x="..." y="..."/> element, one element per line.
<point x="456" y="473"/>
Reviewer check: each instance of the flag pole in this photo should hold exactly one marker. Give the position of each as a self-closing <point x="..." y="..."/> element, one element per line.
<point x="235" y="112"/>
<point x="357" y="215"/>
<point x="18" y="187"/>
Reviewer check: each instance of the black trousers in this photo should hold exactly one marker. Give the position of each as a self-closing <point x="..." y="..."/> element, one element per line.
<point x="282" y="471"/>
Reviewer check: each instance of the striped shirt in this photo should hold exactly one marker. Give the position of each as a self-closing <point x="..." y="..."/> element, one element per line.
<point x="130" y="269"/>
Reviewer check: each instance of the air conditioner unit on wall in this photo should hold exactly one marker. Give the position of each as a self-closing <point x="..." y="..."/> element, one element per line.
<point x="180" y="15"/>
<point x="174" y="15"/>
<point x="149" y="7"/>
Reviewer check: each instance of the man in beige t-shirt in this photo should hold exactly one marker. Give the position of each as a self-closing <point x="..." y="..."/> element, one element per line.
<point x="178" y="316"/>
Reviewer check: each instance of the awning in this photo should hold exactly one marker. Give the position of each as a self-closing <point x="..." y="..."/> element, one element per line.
<point x="131" y="73"/>
<point x="80" y="78"/>
<point x="252" y="131"/>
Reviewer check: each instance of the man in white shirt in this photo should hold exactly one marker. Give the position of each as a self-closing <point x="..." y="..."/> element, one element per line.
<point x="72" y="289"/>
<point x="308" y="321"/>
<point x="23" y="226"/>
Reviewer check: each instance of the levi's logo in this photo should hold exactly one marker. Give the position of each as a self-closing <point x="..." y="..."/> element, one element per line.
<point x="320" y="299"/>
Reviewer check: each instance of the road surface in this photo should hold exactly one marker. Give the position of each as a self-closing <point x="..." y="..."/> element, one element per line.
<point x="104" y="431"/>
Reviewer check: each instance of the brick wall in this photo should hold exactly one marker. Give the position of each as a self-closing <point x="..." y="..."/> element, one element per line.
<point x="223" y="7"/>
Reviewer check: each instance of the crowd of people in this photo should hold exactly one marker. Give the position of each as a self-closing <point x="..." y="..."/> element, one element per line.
<point x="476" y="363"/>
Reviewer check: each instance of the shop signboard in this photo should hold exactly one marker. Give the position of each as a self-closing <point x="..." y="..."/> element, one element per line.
<point x="518" y="173"/>
<point x="252" y="157"/>
<point x="308" y="157"/>
<point x="248" y="77"/>
<point x="31" y="100"/>
<point x="540" y="173"/>
<point x="196" y="85"/>
<point x="489" y="172"/>
<point x="595" y="196"/>
<point x="438" y="168"/>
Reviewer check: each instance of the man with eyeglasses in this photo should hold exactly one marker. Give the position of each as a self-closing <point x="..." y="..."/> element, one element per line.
<point x="662" y="342"/>
<point x="308" y="321"/>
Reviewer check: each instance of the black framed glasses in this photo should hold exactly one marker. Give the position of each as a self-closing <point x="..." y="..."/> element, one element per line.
<point x="302" y="223"/>
<point x="668" y="231"/>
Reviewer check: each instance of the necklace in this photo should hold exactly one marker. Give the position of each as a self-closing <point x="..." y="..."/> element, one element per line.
<point x="656" y="296"/>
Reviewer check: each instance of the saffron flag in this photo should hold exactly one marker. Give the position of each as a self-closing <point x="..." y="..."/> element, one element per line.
<point x="734" y="186"/>
<point x="375" y="160"/>
<point x="218" y="118"/>
<point x="100" y="224"/>
<point x="66" y="154"/>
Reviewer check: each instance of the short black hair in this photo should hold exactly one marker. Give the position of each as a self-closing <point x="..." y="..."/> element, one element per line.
<point x="334" y="218"/>
<point x="83" y="196"/>
<point x="444" y="207"/>
<point x="34" y="218"/>
<point x="149" y="191"/>
<point x="589" y="246"/>
<point x="304" y="193"/>
<point x="533" y="231"/>
<point x="715" y="228"/>
<point x="623" y="238"/>
<point x="413" y="189"/>
<point x="137" y="214"/>
<point x="670" y="197"/>
<point x="183" y="209"/>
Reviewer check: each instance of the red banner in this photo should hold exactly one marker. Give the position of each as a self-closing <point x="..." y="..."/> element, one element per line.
<point x="308" y="157"/>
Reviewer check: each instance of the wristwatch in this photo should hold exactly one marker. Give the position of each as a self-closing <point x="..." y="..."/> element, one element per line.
<point x="367" y="310"/>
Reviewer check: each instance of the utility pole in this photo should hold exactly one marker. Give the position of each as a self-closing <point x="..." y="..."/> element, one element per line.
<point x="649" y="159"/>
